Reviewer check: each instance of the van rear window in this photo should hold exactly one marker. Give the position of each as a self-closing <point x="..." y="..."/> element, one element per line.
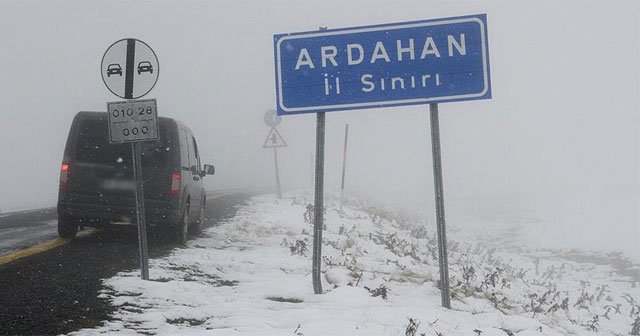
<point x="93" y="146"/>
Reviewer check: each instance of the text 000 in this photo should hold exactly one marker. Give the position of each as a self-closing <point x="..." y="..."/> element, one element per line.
<point x="135" y="131"/>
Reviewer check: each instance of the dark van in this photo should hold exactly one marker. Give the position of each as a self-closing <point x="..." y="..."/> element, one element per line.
<point x="97" y="187"/>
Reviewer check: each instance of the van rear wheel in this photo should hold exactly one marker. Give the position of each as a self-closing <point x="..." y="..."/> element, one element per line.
<point x="182" y="227"/>
<point x="67" y="227"/>
<point x="199" y="224"/>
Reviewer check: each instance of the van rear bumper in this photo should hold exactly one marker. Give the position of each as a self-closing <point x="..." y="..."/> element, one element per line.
<point x="101" y="215"/>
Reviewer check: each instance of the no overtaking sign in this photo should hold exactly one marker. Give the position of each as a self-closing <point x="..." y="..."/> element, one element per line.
<point x="130" y="68"/>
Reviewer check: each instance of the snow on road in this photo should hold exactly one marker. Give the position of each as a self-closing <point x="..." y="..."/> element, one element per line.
<point x="252" y="276"/>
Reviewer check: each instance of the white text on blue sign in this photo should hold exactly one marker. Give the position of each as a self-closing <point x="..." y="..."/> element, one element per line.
<point x="387" y="65"/>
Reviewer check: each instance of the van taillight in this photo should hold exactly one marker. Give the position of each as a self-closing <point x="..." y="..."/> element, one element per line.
<point x="175" y="185"/>
<point x="64" y="176"/>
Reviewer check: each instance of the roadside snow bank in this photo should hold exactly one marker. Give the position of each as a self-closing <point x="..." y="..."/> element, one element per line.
<point x="252" y="276"/>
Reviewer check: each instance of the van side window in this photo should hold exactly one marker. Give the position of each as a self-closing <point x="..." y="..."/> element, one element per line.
<point x="197" y="154"/>
<point x="184" y="150"/>
<point x="193" y="160"/>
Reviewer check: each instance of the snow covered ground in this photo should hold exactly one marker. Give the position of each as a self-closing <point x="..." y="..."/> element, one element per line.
<point x="252" y="276"/>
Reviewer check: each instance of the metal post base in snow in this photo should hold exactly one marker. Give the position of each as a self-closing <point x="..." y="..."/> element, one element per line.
<point x="439" y="191"/>
<point x="318" y="212"/>
<point x="140" y="215"/>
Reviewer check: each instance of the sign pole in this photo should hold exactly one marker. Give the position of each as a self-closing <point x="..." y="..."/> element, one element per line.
<point x="133" y="120"/>
<point x="130" y="63"/>
<point x="318" y="218"/>
<point x="272" y="119"/>
<point x="140" y="215"/>
<point x="318" y="212"/>
<point x="439" y="191"/>
<point x="344" y="163"/>
<point x="275" y="158"/>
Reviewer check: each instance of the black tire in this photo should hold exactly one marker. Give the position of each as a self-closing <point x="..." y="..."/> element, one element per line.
<point x="67" y="227"/>
<point x="181" y="230"/>
<point x="199" y="223"/>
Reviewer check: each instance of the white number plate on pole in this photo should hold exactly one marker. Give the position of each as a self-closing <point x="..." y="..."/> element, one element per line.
<point x="132" y="121"/>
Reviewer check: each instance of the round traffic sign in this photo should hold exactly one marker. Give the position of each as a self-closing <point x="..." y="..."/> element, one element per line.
<point x="129" y="68"/>
<point x="271" y="118"/>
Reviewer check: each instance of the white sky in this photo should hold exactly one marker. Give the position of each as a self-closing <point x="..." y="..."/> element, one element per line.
<point x="560" y="136"/>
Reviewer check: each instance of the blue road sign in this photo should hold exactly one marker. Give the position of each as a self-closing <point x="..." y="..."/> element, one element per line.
<point x="419" y="62"/>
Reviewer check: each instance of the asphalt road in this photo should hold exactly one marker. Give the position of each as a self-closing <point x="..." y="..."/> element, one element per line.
<point x="26" y="228"/>
<point x="56" y="291"/>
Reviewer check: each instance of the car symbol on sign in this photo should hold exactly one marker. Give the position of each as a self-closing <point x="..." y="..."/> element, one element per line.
<point x="145" y="66"/>
<point x="114" y="69"/>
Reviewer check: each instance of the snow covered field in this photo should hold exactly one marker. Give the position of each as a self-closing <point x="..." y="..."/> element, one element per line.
<point x="252" y="276"/>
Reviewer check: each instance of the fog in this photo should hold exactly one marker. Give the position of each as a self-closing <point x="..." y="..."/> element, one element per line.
<point x="558" y="142"/>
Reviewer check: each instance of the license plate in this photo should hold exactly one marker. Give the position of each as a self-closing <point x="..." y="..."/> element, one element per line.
<point x="115" y="184"/>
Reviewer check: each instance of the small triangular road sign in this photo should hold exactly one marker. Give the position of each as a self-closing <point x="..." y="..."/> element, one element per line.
<point x="274" y="139"/>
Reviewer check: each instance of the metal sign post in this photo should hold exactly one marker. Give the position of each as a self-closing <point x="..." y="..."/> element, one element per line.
<point x="407" y="63"/>
<point x="140" y="215"/>
<point x="439" y="192"/>
<point x="274" y="140"/>
<point x="133" y="121"/>
<point x="344" y="163"/>
<point x="272" y="119"/>
<point x="278" y="187"/>
<point x="318" y="210"/>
